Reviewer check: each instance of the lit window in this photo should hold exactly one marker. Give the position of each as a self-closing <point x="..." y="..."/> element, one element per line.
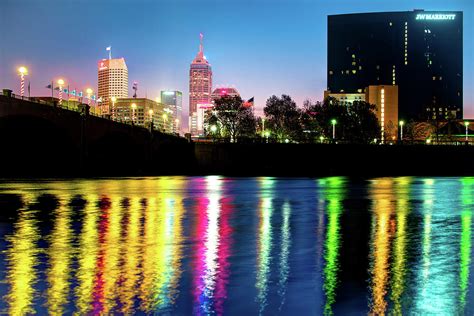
<point x="390" y="23"/>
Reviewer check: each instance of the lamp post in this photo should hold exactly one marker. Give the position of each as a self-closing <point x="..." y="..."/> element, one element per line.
<point x="89" y="92"/>
<point x="165" y="118"/>
<point x="150" y="116"/>
<point x="401" y="129"/>
<point x="60" y="92"/>
<point x="333" y="122"/>
<point x="177" y="125"/>
<point x="134" y="107"/>
<point x="113" y="99"/>
<point x="466" y="123"/>
<point x="267" y="134"/>
<point x="23" y="71"/>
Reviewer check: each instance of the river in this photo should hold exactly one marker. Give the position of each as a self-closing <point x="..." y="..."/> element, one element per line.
<point x="237" y="246"/>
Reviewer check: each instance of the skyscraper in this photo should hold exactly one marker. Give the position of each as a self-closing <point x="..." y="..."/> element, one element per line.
<point x="113" y="80"/>
<point x="200" y="85"/>
<point x="173" y="100"/>
<point x="419" y="51"/>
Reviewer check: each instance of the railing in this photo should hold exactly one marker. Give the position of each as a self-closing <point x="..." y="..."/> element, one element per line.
<point x="79" y="107"/>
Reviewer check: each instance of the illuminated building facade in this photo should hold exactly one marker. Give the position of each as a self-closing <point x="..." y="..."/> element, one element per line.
<point x="420" y="51"/>
<point x="200" y="85"/>
<point x="384" y="97"/>
<point x="112" y="79"/>
<point x="224" y="91"/>
<point x="138" y="111"/>
<point x="174" y="102"/>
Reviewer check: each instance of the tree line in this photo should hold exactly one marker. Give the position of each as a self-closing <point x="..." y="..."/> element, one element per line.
<point x="326" y="121"/>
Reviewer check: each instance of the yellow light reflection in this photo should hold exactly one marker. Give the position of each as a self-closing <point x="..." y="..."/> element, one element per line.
<point x="381" y="192"/>
<point x="60" y="256"/>
<point x="87" y="257"/>
<point x="399" y="268"/>
<point x="467" y="201"/>
<point x="131" y="256"/>
<point x="22" y="258"/>
<point x="111" y="255"/>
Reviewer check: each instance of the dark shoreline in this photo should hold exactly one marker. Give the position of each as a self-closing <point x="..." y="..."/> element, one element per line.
<point x="251" y="160"/>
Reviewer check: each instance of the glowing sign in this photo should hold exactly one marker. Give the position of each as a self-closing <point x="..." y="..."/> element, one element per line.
<point x="102" y="65"/>
<point x="437" y="16"/>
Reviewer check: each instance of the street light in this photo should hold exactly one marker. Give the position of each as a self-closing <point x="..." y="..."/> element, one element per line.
<point x="89" y="92"/>
<point x="134" y="107"/>
<point x="60" y="92"/>
<point x="23" y="71"/>
<point x="150" y="114"/>
<point x="213" y="128"/>
<point x="333" y="122"/>
<point x="177" y="125"/>
<point x="113" y="99"/>
<point x="165" y="118"/>
<point x="401" y="129"/>
<point x="321" y="138"/>
<point x="466" y="123"/>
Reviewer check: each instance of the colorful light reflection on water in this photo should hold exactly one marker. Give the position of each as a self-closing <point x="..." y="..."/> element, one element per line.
<point x="215" y="245"/>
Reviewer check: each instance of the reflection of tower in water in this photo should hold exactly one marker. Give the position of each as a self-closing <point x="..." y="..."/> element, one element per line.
<point x="213" y="237"/>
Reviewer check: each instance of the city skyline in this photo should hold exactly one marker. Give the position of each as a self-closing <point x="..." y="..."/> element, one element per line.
<point x="259" y="57"/>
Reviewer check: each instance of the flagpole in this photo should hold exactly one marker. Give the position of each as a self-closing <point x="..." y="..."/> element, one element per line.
<point x="52" y="92"/>
<point x="29" y="94"/>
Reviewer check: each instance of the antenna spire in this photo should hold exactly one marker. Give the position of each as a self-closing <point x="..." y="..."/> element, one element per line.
<point x="201" y="46"/>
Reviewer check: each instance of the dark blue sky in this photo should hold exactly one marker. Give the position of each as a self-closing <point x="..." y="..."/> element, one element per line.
<point x="262" y="47"/>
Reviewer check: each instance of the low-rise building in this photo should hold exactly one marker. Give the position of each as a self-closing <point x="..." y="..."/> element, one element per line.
<point x="142" y="111"/>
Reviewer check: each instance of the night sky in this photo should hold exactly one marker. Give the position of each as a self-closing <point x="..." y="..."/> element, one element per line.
<point x="260" y="47"/>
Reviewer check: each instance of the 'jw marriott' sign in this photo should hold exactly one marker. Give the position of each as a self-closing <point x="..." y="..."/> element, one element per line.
<point x="436" y="16"/>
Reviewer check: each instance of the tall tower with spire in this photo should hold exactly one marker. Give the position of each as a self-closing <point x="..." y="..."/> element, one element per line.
<point x="200" y="85"/>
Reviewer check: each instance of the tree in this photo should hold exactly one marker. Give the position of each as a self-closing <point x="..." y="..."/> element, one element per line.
<point x="282" y="117"/>
<point x="309" y="122"/>
<point x="232" y="120"/>
<point x="356" y="123"/>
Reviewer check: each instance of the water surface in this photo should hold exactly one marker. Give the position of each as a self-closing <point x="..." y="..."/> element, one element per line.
<point x="214" y="245"/>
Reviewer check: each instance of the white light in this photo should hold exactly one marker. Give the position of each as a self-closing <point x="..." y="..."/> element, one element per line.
<point x="437" y="16"/>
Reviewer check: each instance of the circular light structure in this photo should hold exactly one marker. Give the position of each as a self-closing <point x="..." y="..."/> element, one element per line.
<point x="134" y="106"/>
<point x="89" y="91"/>
<point x="333" y="121"/>
<point x="402" y="123"/>
<point x="150" y="112"/>
<point x="213" y="128"/>
<point x="113" y="99"/>
<point x="60" y="82"/>
<point x="23" y="70"/>
<point x="466" y="123"/>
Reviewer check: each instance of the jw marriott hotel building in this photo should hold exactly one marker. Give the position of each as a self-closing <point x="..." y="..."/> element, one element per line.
<point x="419" y="51"/>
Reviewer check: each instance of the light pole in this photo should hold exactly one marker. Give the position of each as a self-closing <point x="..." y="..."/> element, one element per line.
<point x="134" y="107"/>
<point x="113" y="99"/>
<point x="177" y="125"/>
<point x="165" y="118"/>
<point x="60" y="92"/>
<point x="267" y="134"/>
<point x="401" y="129"/>
<point x="466" y="123"/>
<point x="150" y="115"/>
<point x="89" y="92"/>
<point x="333" y="122"/>
<point x="23" y="71"/>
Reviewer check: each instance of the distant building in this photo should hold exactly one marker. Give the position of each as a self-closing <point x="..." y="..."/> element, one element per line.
<point x="113" y="81"/>
<point x="385" y="98"/>
<point x="174" y="101"/>
<point x="138" y="111"/>
<point x="200" y="85"/>
<point x="420" y="51"/>
<point x="345" y="98"/>
<point x="224" y="91"/>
